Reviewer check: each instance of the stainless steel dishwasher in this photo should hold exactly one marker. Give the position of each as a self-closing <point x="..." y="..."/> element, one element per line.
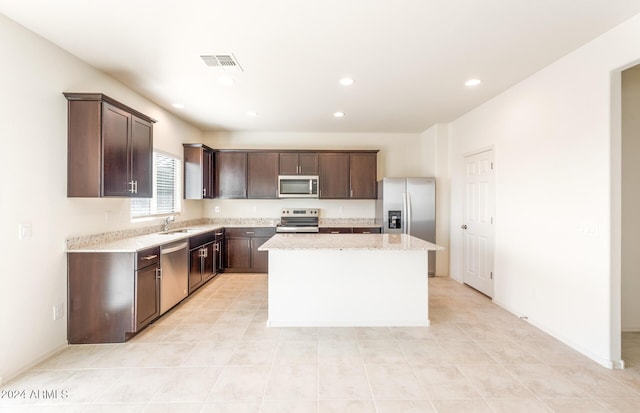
<point x="174" y="285"/>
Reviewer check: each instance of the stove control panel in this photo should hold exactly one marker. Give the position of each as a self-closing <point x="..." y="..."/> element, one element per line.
<point x="300" y="212"/>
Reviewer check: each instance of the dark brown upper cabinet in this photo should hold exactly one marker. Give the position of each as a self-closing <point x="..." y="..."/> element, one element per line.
<point x="298" y="163"/>
<point x="348" y="175"/>
<point x="363" y="175"/>
<point x="110" y="148"/>
<point x="262" y="175"/>
<point x="199" y="172"/>
<point x="231" y="174"/>
<point x="334" y="175"/>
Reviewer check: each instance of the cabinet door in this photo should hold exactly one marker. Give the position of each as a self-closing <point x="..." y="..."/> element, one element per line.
<point x="194" y="185"/>
<point x="262" y="172"/>
<point x="218" y="262"/>
<point x="363" y="175"/>
<point x="288" y="163"/>
<point x="195" y="269"/>
<point x="142" y="157"/>
<point x="334" y="175"/>
<point x="308" y="162"/>
<point x="147" y="296"/>
<point x="238" y="253"/>
<point x="231" y="176"/>
<point x="259" y="259"/>
<point x="208" y="173"/>
<point x="208" y="262"/>
<point x="116" y="124"/>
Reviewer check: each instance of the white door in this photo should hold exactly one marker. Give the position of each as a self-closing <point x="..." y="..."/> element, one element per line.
<point x="478" y="233"/>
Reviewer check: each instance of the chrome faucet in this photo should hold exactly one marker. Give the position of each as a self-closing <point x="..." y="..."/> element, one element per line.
<point x="165" y="226"/>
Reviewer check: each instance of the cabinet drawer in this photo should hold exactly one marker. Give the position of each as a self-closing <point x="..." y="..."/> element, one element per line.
<point x="147" y="257"/>
<point x="367" y="230"/>
<point x="201" y="239"/>
<point x="249" y="232"/>
<point x="335" y="230"/>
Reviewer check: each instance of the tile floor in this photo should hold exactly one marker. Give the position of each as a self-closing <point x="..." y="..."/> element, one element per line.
<point x="213" y="353"/>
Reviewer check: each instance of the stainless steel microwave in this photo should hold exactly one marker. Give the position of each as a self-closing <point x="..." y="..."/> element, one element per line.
<point x="297" y="186"/>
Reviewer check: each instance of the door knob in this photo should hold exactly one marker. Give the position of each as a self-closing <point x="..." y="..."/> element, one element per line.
<point x="464" y="226"/>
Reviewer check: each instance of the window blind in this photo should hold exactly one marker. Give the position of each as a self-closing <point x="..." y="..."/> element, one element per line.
<point x="165" y="188"/>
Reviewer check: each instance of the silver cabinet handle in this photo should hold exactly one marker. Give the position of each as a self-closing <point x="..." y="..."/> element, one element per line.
<point x="335" y="232"/>
<point x="204" y="191"/>
<point x="150" y="257"/>
<point x="250" y="232"/>
<point x="218" y="233"/>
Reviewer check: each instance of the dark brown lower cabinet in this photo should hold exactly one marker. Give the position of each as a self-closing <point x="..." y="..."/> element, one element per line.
<point x="241" y="249"/>
<point x="367" y="230"/>
<point x="205" y="258"/>
<point x="111" y="296"/>
<point x="335" y="230"/>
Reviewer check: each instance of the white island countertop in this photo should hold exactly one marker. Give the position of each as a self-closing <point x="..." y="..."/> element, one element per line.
<point x="369" y="242"/>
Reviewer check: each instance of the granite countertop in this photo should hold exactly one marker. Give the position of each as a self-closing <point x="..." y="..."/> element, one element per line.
<point x="399" y="242"/>
<point x="124" y="241"/>
<point x="141" y="242"/>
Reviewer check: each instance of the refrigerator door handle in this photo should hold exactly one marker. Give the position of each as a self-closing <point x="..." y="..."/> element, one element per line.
<point x="409" y="214"/>
<point x="405" y="213"/>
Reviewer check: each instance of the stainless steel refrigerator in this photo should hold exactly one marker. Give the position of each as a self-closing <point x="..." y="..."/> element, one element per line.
<point x="408" y="206"/>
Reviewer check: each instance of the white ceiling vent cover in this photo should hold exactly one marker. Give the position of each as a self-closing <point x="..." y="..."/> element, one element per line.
<point x="224" y="62"/>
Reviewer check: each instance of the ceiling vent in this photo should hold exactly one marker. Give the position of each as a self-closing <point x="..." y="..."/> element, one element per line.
<point x="224" y="62"/>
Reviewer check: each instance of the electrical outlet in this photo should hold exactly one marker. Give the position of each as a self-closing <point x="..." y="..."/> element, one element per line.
<point x="217" y="209"/>
<point x="58" y="311"/>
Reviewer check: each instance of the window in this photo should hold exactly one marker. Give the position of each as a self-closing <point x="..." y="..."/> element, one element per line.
<point x="165" y="199"/>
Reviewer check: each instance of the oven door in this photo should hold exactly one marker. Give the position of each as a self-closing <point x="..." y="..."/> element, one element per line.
<point x="294" y="186"/>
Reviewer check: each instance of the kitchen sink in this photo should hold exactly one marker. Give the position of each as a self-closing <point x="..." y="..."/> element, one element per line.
<point x="179" y="231"/>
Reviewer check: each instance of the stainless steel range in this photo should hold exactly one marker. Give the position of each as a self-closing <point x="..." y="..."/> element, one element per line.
<point x="298" y="220"/>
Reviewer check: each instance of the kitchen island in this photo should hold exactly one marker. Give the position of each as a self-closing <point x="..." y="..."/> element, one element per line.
<point x="339" y="280"/>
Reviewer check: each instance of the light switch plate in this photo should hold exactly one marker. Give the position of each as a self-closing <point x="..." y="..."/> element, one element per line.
<point x="24" y="230"/>
<point x="58" y="311"/>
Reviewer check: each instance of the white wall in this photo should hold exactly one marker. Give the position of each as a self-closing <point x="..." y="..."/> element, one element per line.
<point x="630" y="199"/>
<point x="33" y="117"/>
<point x="553" y="145"/>
<point x="435" y="144"/>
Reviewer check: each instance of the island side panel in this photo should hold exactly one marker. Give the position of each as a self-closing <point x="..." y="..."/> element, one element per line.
<point x="361" y="288"/>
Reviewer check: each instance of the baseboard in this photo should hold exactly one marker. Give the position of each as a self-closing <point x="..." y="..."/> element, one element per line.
<point x="610" y="364"/>
<point x="14" y="374"/>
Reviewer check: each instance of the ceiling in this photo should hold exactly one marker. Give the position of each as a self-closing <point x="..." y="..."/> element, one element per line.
<point x="409" y="58"/>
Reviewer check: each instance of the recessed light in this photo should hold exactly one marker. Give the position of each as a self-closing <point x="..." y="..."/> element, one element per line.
<point x="178" y="105"/>
<point x="338" y="115"/>
<point x="472" y="82"/>
<point x="226" y="80"/>
<point x="346" y="81"/>
<point x="252" y="114"/>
